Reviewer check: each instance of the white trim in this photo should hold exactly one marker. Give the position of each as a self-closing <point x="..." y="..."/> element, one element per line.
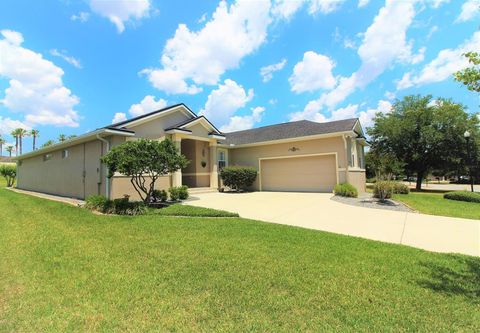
<point x="160" y="114"/>
<point x="216" y="136"/>
<point x="202" y="121"/>
<point x="177" y="130"/>
<point x="295" y="139"/>
<point x="294" y="156"/>
<point x="196" y="174"/>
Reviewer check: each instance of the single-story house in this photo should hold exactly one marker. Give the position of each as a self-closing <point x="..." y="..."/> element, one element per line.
<point x="6" y="160"/>
<point x="295" y="156"/>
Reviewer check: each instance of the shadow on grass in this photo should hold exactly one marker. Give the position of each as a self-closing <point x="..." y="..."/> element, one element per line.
<point x="460" y="278"/>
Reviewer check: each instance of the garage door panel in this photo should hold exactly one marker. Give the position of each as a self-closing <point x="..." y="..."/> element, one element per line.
<point x="303" y="174"/>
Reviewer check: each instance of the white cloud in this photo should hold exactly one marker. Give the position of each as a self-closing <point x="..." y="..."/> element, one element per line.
<point x="35" y="85"/>
<point x="366" y="117"/>
<point x="121" y="11"/>
<point x="432" y="30"/>
<point x="447" y="62"/>
<point x="81" y="17"/>
<point x="470" y="9"/>
<point x="390" y="95"/>
<point x="314" y="72"/>
<point x="7" y="125"/>
<point x="267" y="71"/>
<point x="349" y="43"/>
<point x="71" y="60"/>
<point x="233" y="32"/>
<point x="224" y="101"/>
<point x="148" y="104"/>
<point x="363" y="3"/>
<point x="118" y="117"/>
<point x="285" y="9"/>
<point x="239" y="123"/>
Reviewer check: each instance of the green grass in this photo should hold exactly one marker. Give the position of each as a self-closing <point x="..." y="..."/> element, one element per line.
<point x="434" y="204"/>
<point x="64" y="268"/>
<point x="192" y="211"/>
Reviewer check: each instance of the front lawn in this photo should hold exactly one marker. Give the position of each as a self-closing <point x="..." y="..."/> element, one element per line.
<point x="434" y="204"/>
<point x="64" y="268"/>
<point x="191" y="211"/>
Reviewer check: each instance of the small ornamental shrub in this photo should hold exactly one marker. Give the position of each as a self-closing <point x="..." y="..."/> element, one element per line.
<point x="400" y="188"/>
<point x="383" y="189"/>
<point x="238" y="177"/>
<point x="96" y="202"/>
<point x="463" y="196"/>
<point x="118" y="206"/>
<point x="160" y="195"/>
<point x="183" y="192"/>
<point x="9" y="172"/>
<point x="174" y="193"/>
<point x="345" y="190"/>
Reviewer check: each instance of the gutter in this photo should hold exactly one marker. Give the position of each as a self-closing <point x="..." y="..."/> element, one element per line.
<point x="107" y="180"/>
<point x="347" y="165"/>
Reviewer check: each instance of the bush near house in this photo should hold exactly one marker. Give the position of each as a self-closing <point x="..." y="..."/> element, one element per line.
<point x="160" y="195"/>
<point x="384" y="189"/>
<point x="400" y="188"/>
<point x="238" y="177"/>
<point x="463" y="196"/>
<point x="345" y="190"/>
<point x="9" y="172"/>
<point x="121" y="206"/>
<point x="178" y="193"/>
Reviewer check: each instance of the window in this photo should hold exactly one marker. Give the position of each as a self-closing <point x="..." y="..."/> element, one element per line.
<point x="352" y="162"/>
<point x="47" y="157"/>
<point x="221" y="160"/>
<point x="65" y="153"/>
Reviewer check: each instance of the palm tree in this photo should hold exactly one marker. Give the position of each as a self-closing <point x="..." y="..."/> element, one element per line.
<point x="14" y="133"/>
<point x="35" y="134"/>
<point x="62" y="137"/>
<point x="48" y="143"/>
<point x="9" y="149"/>
<point x="2" y="142"/>
<point x="21" y="134"/>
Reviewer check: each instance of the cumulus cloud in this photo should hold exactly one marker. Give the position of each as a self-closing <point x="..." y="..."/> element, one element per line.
<point x="81" y="17"/>
<point x="267" y="71"/>
<point x="366" y="117"/>
<point x="239" y="123"/>
<point x="121" y="11"/>
<point x="35" y="85"/>
<point x="447" y="62"/>
<point x="7" y="125"/>
<point x="193" y="58"/>
<point x="148" y="104"/>
<point x="71" y="60"/>
<point x="362" y="3"/>
<point x="314" y="72"/>
<point x="470" y="9"/>
<point x="118" y="117"/>
<point x="285" y="9"/>
<point x="223" y="102"/>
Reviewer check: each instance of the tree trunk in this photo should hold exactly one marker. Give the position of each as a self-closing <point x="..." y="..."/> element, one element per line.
<point x="418" y="187"/>
<point x="34" y="137"/>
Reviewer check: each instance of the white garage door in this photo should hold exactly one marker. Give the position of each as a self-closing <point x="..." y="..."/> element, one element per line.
<point x="299" y="174"/>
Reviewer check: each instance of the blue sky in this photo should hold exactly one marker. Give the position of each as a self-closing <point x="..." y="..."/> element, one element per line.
<point x="71" y="66"/>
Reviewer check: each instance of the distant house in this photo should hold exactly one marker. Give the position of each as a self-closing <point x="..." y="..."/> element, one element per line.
<point x="296" y="156"/>
<point x="6" y="160"/>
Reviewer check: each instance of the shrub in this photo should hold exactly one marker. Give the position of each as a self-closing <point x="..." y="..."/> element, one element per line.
<point x="9" y="172"/>
<point x="238" y="177"/>
<point x="463" y="196"/>
<point x="174" y="193"/>
<point x="400" y="188"/>
<point x="183" y="192"/>
<point x="160" y="195"/>
<point x="118" y="206"/>
<point x="383" y="189"/>
<point x="345" y="190"/>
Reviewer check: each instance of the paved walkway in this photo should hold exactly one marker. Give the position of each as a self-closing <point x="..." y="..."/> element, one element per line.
<point x="317" y="211"/>
<point x="71" y="201"/>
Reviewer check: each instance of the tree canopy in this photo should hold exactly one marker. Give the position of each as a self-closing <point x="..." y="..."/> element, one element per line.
<point x="144" y="161"/>
<point x="424" y="134"/>
<point x="470" y="76"/>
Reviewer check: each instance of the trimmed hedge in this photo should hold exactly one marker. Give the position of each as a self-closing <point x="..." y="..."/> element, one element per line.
<point x="118" y="206"/>
<point x="345" y="190"/>
<point x="238" y="177"/>
<point x="463" y="196"/>
<point x="178" y="193"/>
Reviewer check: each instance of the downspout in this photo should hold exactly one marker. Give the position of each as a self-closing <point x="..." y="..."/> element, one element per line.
<point x="107" y="180"/>
<point x="346" y="159"/>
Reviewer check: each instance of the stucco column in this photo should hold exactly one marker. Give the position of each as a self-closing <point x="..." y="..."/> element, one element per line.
<point x="177" y="175"/>
<point x="213" y="164"/>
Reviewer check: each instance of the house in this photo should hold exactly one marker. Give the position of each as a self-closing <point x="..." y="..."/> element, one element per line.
<point x="295" y="156"/>
<point x="6" y="160"/>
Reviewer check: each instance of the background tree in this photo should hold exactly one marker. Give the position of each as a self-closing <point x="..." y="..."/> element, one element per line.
<point x="9" y="149"/>
<point x="19" y="134"/>
<point x="48" y="143"/>
<point x="2" y="142"/>
<point x="144" y="161"/>
<point x="9" y="172"/>
<point x="422" y="134"/>
<point x="470" y="76"/>
<point x="382" y="166"/>
<point x="62" y="137"/>
<point x="15" y="134"/>
<point x="34" y="134"/>
<point x="72" y="136"/>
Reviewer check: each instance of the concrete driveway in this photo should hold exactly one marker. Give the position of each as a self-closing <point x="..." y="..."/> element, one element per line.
<point x="317" y="211"/>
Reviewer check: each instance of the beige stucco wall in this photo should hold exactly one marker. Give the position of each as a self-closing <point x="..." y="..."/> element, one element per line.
<point x="154" y="129"/>
<point x="249" y="156"/>
<point x="79" y="175"/>
<point x="195" y="175"/>
<point x="121" y="185"/>
<point x="357" y="179"/>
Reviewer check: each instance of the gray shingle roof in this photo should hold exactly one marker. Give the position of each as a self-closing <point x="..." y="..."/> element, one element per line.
<point x="288" y="130"/>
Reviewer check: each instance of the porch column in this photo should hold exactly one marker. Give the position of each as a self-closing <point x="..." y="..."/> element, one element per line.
<point x="177" y="175"/>
<point x="213" y="164"/>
